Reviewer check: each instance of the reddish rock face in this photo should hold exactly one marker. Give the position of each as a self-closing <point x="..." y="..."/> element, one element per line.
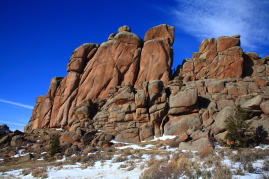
<point x="162" y="32"/>
<point x="115" y="63"/>
<point x="222" y="58"/>
<point x="96" y="69"/>
<point x="225" y="43"/>
<point x="80" y="56"/>
<point x="157" y="55"/>
<point x="208" y="45"/>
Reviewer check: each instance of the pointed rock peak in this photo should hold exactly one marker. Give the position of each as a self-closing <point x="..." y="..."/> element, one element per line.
<point x="124" y="28"/>
<point x="236" y="36"/>
<point x="161" y="32"/>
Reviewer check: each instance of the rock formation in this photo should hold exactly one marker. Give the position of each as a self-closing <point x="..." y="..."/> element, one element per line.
<point x="123" y="89"/>
<point x="94" y="70"/>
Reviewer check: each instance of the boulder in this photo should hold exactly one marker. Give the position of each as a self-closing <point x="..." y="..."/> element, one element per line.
<point x="128" y="135"/>
<point x="264" y="123"/>
<point x="88" y="137"/>
<point x="146" y="131"/>
<point x="265" y="107"/>
<point x="253" y="103"/>
<point x="69" y="137"/>
<point x="12" y="153"/>
<point x="221" y="137"/>
<point x="208" y="45"/>
<point x="161" y="32"/>
<point x="197" y="145"/>
<point x="178" y="125"/>
<point x="124" y="28"/>
<point x="37" y="147"/>
<point x="140" y="99"/>
<point x="5" y="139"/>
<point x="183" y="101"/>
<point x="26" y="158"/>
<point x="16" y="141"/>
<point x="219" y="125"/>
<point x="65" y="145"/>
<point x="88" y="150"/>
<point x="216" y="86"/>
<point x="225" y="42"/>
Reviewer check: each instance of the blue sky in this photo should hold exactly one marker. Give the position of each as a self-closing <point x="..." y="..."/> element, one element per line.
<point x="38" y="37"/>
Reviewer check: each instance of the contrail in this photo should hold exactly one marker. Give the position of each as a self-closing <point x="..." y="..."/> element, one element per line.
<point x="17" y="104"/>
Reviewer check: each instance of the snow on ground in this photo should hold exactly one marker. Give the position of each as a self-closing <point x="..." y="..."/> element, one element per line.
<point x="109" y="169"/>
<point x="104" y="170"/>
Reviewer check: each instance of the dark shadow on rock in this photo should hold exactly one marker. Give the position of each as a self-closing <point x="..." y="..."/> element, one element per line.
<point x="203" y="102"/>
<point x="247" y="66"/>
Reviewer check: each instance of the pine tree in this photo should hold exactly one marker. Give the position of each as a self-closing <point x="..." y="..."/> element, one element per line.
<point x="239" y="133"/>
<point x="55" y="146"/>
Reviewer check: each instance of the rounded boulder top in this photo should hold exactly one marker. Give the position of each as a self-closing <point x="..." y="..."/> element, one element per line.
<point x="124" y="28"/>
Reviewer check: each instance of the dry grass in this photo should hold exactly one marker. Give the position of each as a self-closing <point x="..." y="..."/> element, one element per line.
<point x="222" y="172"/>
<point x="40" y="172"/>
<point x="205" y="152"/>
<point x="266" y="165"/>
<point x="119" y="158"/>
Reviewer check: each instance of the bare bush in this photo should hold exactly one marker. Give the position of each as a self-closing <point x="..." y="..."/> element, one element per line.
<point x="120" y="158"/>
<point x="266" y="165"/>
<point x="222" y="172"/>
<point x="40" y="172"/>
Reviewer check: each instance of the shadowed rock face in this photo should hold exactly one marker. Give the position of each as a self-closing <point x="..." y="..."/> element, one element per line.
<point x="124" y="89"/>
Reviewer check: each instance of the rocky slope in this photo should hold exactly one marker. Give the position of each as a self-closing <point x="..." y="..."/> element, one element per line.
<point x="124" y="89"/>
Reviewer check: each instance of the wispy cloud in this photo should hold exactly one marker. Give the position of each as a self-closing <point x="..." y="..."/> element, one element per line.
<point x="14" y="123"/>
<point x="207" y="19"/>
<point x="17" y="104"/>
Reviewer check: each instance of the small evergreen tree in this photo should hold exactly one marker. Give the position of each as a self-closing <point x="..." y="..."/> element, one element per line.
<point x="239" y="133"/>
<point x="55" y="146"/>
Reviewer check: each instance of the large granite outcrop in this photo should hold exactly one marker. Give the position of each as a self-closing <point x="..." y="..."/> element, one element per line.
<point x="123" y="90"/>
<point x="94" y="70"/>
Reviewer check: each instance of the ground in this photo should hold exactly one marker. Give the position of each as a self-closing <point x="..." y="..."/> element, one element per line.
<point x="145" y="160"/>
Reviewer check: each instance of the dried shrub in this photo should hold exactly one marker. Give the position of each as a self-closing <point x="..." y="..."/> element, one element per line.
<point x="246" y="156"/>
<point x="264" y="176"/>
<point x="26" y="172"/>
<point x="174" y="143"/>
<point x="127" y="152"/>
<point x="266" y="165"/>
<point x="152" y="160"/>
<point x="239" y="171"/>
<point x="138" y="156"/>
<point x="222" y="172"/>
<point x="160" y="171"/>
<point x="250" y="168"/>
<point x="81" y="159"/>
<point x="130" y="168"/>
<point x="119" y="158"/>
<point x="123" y="166"/>
<point x="40" y="172"/>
